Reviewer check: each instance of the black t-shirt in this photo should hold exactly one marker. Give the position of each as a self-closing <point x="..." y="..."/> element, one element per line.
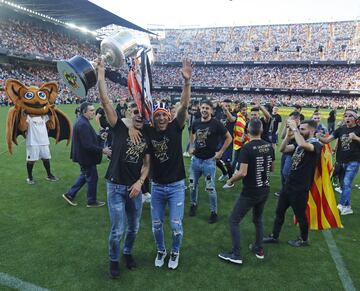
<point x="348" y="150"/>
<point x="259" y="155"/>
<point x="127" y="158"/>
<point x="102" y="119"/>
<point x="265" y="133"/>
<point x="274" y="123"/>
<point x="303" y="168"/>
<point x="228" y="124"/>
<point x="207" y="135"/>
<point x="166" y="153"/>
<point x="332" y="116"/>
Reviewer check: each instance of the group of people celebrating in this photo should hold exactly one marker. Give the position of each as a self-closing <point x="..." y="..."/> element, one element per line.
<point x="140" y="151"/>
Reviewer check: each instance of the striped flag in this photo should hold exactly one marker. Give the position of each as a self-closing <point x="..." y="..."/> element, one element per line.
<point x="321" y="211"/>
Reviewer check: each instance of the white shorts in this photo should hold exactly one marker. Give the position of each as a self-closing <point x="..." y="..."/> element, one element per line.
<point x="34" y="153"/>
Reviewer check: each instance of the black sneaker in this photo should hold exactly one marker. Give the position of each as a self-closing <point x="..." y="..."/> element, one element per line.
<point x="95" y="204"/>
<point x="52" y="178"/>
<point x="231" y="258"/>
<point x="114" y="269"/>
<point x="259" y="252"/>
<point x="129" y="261"/>
<point x="270" y="239"/>
<point x="69" y="199"/>
<point x="213" y="217"/>
<point x="193" y="209"/>
<point x="299" y="242"/>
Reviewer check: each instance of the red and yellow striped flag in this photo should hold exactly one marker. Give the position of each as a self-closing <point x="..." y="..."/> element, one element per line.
<point x="321" y="211"/>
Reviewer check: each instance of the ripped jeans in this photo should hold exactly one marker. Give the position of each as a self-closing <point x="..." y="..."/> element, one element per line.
<point x="125" y="214"/>
<point x="174" y="195"/>
<point x="207" y="168"/>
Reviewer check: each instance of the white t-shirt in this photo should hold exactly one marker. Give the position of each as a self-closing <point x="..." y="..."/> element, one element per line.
<point x="37" y="133"/>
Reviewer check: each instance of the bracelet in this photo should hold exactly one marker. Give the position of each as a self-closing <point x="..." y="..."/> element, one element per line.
<point x="141" y="181"/>
<point x="187" y="83"/>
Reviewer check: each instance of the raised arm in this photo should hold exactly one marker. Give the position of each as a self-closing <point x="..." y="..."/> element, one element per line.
<point x="186" y="73"/>
<point x="110" y="112"/>
<point x="301" y="142"/>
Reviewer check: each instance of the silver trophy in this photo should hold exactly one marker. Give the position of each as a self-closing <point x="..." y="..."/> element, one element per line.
<point x="80" y="75"/>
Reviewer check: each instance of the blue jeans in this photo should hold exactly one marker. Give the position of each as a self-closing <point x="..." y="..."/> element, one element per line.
<point x="174" y="195"/>
<point x="122" y="210"/>
<point x="208" y="169"/>
<point x="286" y="161"/>
<point x="88" y="175"/>
<point x="349" y="173"/>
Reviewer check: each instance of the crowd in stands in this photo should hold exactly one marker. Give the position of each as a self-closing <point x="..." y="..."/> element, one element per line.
<point x="19" y="36"/>
<point x="324" y="77"/>
<point x="339" y="40"/>
<point x="36" y="75"/>
<point x="328" y="41"/>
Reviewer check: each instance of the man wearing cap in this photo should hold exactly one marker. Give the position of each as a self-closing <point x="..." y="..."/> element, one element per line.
<point x="347" y="155"/>
<point x="206" y="133"/>
<point x="168" y="172"/>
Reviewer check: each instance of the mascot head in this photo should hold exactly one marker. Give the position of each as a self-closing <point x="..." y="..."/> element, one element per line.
<point x="33" y="100"/>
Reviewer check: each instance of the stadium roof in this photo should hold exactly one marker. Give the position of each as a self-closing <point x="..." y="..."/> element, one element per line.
<point x="80" y="12"/>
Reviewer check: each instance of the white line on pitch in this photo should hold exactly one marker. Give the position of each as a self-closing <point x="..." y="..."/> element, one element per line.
<point x="339" y="263"/>
<point x="13" y="282"/>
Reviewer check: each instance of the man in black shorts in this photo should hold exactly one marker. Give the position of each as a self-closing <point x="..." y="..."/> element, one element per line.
<point x="256" y="161"/>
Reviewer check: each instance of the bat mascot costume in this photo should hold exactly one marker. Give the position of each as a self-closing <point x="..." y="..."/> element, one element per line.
<point x="35" y="117"/>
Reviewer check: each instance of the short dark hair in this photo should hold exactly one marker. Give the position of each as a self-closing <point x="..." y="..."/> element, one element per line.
<point x="227" y="100"/>
<point x="310" y="122"/>
<point x="84" y="106"/>
<point x="242" y="105"/>
<point x="255" y="126"/>
<point x="297" y="106"/>
<point x="207" y="102"/>
<point x="257" y="109"/>
<point x="295" y="114"/>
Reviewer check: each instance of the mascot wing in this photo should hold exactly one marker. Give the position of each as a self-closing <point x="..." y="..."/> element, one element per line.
<point x="13" y="127"/>
<point x="62" y="126"/>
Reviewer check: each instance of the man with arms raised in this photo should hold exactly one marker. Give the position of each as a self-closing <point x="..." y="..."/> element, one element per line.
<point x="348" y="155"/>
<point x="168" y="172"/>
<point x="127" y="171"/>
<point x="296" y="190"/>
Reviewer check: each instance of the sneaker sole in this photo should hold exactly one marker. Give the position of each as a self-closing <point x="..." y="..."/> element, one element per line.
<point x="69" y="201"/>
<point x="347" y="213"/>
<point x="239" y="262"/>
<point x="95" y="206"/>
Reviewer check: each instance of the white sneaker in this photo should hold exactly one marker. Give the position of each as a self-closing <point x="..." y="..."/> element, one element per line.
<point x="223" y="178"/>
<point x="340" y="207"/>
<point x="160" y="257"/>
<point x="173" y="261"/>
<point x="226" y="186"/>
<point x="186" y="154"/>
<point x="146" y="197"/>
<point x="346" y="210"/>
<point x="30" y="181"/>
<point x="338" y="189"/>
